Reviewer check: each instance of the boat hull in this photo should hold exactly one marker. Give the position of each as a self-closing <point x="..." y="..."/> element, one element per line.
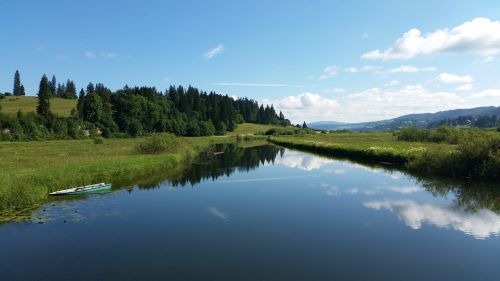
<point x="91" y="189"/>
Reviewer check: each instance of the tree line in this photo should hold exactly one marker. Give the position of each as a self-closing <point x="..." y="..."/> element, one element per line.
<point x="65" y="90"/>
<point x="482" y="121"/>
<point x="134" y="111"/>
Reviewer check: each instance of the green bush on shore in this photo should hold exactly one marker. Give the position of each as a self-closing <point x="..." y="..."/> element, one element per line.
<point x="477" y="155"/>
<point x="158" y="143"/>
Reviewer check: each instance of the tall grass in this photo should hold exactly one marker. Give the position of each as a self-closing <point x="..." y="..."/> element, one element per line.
<point x="30" y="170"/>
<point x="476" y="154"/>
<point x="158" y="143"/>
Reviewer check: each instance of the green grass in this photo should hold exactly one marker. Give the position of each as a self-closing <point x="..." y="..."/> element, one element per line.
<point x="476" y="156"/>
<point x="60" y="107"/>
<point x="367" y="147"/>
<point x="30" y="170"/>
<point x="249" y="128"/>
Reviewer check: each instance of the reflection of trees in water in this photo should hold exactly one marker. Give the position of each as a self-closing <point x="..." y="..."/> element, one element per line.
<point x="470" y="196"/>
<point x="209" y="166"/>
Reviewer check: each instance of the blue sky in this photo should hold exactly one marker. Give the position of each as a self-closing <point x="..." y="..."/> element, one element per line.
<point x="310" y="58"/>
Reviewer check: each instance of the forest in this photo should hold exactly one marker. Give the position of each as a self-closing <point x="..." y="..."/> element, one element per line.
<point x="131" y="112"/>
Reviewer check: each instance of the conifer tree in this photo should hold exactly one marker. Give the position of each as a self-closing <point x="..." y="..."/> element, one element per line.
<point x="43" y="108"/>
<point x="80" y="103"/>
<point x="18" y="87"/>
<point x="53" y="85"/>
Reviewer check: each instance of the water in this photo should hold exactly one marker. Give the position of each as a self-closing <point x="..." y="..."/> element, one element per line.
<point x="264" y="213"/>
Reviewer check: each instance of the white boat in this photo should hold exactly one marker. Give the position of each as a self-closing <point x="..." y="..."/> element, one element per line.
<point x="88" y="189"/>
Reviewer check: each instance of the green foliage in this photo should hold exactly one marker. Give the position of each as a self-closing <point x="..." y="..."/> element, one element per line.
<point x="476" y="153"/>
<point x="141" y="111"/>
<point x="287" y="131"/>
<point x="43" y="108"/>
<point x="18" y="89"/>
<point x="98" y="140"/>
<point x="444" y="134"/>
<point x="158" y="143"/>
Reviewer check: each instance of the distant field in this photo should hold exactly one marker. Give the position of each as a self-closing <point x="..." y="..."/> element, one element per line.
<point x="11" y="105"/>
<point x="249" y="128"/>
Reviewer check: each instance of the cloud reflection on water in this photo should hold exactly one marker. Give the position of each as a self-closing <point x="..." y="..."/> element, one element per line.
<point x="481" y="224"/>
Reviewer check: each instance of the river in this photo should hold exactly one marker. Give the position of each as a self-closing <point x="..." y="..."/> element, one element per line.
<point x="264" y="213"/>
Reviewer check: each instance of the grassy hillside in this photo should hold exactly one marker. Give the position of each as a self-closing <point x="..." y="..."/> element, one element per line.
<point x="249" y="128"/>
<point x="11" y="105"/>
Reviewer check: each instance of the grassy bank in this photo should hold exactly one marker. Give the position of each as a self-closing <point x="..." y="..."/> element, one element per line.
<point x="367" y="147"/>
<point x="475" y="156"/>
<point x="30" y="170"/>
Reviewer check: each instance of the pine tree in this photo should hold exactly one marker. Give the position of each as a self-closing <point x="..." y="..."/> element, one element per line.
<point x="304" y="125"/>
<point x="53" y="85"/>
<point x="70" y="90"/>
<point x="18" y="87"/>
<point x="61" y="89"/>
<point x="80" y="103"/>
<point x="23" y="93"/>
<point x="90" y="88"/>
<point x="43" y="108"/>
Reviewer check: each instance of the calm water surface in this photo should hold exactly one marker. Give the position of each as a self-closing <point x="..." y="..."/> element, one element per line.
<point x="264" y="213"/>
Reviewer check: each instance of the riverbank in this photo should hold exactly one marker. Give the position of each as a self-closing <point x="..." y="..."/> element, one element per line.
<point x="475" y="157"/>
<point x="30" y="170"/>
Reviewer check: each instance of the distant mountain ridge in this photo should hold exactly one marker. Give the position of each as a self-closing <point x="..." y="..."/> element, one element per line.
<point x="418" y="119"/>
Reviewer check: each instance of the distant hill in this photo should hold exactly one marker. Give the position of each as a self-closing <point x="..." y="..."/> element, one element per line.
<point x="419" y="120"/>
<point x="12" y="104"/>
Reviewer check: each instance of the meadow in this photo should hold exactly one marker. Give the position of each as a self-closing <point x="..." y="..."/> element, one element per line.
<point x="25" y="104"/>
<point x="30" y="170"/>
<point x="475" y="156"/>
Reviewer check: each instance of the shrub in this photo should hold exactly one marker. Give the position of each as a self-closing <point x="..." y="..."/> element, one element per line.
<point x="158" y="143"/>
<point x="477" y="155"/>
<point x="98" y="140"/>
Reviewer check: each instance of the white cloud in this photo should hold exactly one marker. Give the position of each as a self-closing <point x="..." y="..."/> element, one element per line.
<point x="329" y="71"/>
<point x="449" y="78"/>
<point x="401" y="189"/>
<point x="465" y="88"/>
<point x="264" y="85"/>
<point x="377" y="104"/>
<point x="217" y="213"/>
<point x="334" y="91"/>
<point x="393" y="83"/>
<point x="491" y="93"/>
<point x="109" y="55"/>
<point x="167" y="79"/>
<point x="366" y="68"/>
<point x="351" y="69"/>
<point x="406" y="69"/>
<point x="212" y="53"/>
<point x="333" y="191"/>
<point x="89" y="54"/>
<point x="480" y="36"/>
<point x="298" y="160"/>
<point x="481" y="224"/>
